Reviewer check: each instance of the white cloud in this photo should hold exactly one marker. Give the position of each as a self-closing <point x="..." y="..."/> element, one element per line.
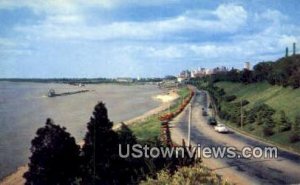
<point x="71" y="6"/>
<point x="233" y="14"/>
<point x="273" y="15"/>
<point x="145" y="40"/>
<point x="45" y="6"/>
<point x="4" y="43"/>
<point x="287" y="40"/>
<point x="228" y="18"/>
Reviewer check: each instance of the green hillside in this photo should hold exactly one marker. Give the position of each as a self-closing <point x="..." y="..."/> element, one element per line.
<point x="278" y="97"/>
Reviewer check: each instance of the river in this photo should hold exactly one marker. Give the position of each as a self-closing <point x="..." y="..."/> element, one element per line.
<point x="24" y="108"/>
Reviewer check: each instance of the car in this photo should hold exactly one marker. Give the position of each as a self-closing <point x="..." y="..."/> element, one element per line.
<point x="212" y="121"/>
<point x="221" y="128"/>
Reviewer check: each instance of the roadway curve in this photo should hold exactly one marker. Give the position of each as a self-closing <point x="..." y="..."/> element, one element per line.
<point x="283" y="170"/>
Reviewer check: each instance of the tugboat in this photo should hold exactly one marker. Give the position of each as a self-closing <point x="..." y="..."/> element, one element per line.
<point x="51" y="93"/>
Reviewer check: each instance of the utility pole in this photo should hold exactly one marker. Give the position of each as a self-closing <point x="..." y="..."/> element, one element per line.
<point x="242" y="114"/>
<point x="189" y="126"/>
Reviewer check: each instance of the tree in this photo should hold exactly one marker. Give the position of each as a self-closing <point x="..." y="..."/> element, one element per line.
<point x="294" y="79"/>
<point x="126" y="136"/>
<point x="295" y="136"/>
<point x="233" y="75"/>
<point x="246" y="76"/>
<point x="284" y="123"/>
<point x="170" y="77"/>
<point x="130" y="167"/>
<point x="100" y="149"/>
<point x="55" y="157"/>
<point x="268" y="126"/>
<point x="296" y="125"/>
<point x="262" y="71"/>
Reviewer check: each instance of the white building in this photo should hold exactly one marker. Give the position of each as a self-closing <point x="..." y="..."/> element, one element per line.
<point x="184" y="75"/>
<point x="127" y="80"/>
<point x="209" y="72"/>
<point x="247" y="65"/>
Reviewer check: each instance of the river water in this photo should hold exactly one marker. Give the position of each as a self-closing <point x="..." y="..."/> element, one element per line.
<point x="24" y="108"/>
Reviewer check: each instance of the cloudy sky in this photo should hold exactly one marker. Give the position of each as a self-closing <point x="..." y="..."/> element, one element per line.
<point x="110" y="38"/>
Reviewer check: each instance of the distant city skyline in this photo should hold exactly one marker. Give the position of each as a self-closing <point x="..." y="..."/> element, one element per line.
<point x="131" y="38"/>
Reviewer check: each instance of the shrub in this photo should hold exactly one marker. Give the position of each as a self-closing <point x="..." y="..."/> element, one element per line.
<point x="284" y="124"/>
<point x="197" y="174"/>
<point x="244" y="102"/>
<point x="251" y="128"/>
<point x="267" y="131"/>
<point x="294" y="138"/>
<point x="296" y="124"/>
<point x="230" y="98"/>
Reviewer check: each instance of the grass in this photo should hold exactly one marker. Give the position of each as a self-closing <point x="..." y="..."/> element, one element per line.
<point x="150" y="128"/>
<point x="277" y="97"/>
<point x="147" y="129"/>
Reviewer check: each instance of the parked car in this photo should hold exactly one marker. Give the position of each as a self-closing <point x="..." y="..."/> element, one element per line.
<point x="221" y="128"/>
<point x="212" y="121"/>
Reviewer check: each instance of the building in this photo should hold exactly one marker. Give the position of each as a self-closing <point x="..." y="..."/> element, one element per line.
<point x="183" y="76"/>
<point x="221" y="69"/>
<point x="208" y="71"/>
<point x="127" y="80"/>
<point x="247" y="66"/>
<point x="198" y="73"/>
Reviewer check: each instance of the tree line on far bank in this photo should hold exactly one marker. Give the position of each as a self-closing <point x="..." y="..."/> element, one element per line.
<point x="284" y="72"/>
<point x="57" y="158"/>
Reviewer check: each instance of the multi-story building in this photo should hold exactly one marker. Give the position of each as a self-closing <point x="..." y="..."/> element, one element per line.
<point x="184" y="75"/>
<point x="247" y="65"/>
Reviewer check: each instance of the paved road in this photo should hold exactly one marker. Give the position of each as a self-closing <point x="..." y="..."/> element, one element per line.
<point x="283" y="170"/>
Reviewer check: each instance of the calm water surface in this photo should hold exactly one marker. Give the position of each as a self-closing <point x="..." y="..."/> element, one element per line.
<point x="24" y="108"/>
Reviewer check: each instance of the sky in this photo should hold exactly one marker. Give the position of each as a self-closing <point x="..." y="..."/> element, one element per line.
<point x="131" y="38"/>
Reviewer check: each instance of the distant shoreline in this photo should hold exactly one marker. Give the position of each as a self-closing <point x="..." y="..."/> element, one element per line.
<point x="74" y="81"/>
<point x="16" y="178"/>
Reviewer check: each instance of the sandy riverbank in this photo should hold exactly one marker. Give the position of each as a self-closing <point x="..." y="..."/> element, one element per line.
<point x="166" y="99"/>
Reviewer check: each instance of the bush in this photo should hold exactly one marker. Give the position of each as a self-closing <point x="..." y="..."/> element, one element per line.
<point x="251" y="128"/>
<point x="250" y="117"/>
<point x="284" y="124"/>
<point x="244" y="102"/>
<point x="296" y="124"/>
<point x="267" y="131"/>
<point x="224" y="115"/>
<point x="294" y="138"/>
<point x="187" y="175"/>
<point x="230" y="98"/>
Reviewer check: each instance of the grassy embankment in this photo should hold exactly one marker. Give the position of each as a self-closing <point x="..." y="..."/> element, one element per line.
<point x="150" y="128"/>
<point x="277" y="97"/>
